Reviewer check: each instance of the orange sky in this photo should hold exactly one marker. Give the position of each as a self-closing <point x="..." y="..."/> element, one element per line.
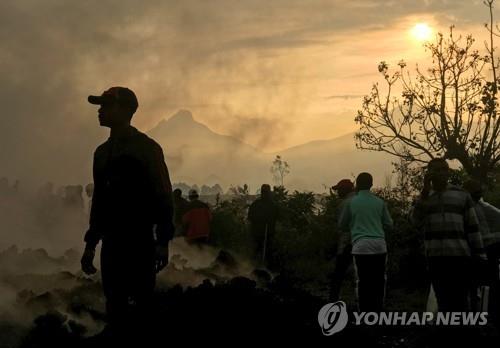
<point x="267" y="87"/>
<point x="272" y="73"/>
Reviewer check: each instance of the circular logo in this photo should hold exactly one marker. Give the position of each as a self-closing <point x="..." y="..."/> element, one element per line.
<point x="332" y="318"/>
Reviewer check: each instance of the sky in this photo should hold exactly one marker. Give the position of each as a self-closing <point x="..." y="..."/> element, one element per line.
<point x="272" y="73"/>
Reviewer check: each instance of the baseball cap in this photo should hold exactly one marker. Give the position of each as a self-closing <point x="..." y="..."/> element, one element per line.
<point x="121" y="95"/>
<point x="344" y="184"/>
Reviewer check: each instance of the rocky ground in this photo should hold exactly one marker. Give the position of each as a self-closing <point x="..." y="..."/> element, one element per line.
<point x="203" y="294"/>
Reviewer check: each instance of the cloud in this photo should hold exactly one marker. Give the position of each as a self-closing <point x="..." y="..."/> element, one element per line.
<point x="257" y="59"/>
<point x="345" y="96"/>
<point x="263" y="131"/>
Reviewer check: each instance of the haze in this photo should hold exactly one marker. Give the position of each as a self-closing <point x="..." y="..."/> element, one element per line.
<point x="274" y="74"/>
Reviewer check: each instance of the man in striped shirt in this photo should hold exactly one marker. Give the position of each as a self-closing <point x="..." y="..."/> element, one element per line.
<point x="446" y="215"/>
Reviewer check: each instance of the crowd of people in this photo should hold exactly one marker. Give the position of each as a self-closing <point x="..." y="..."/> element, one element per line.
<point x="462" y="242"/>
<point x="461" y="233"/>
<point x="134" y="213"/>
<point x="46" y="210"/>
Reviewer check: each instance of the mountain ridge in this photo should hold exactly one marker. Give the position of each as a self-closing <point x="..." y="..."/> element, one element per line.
<point x="194" y="151"/>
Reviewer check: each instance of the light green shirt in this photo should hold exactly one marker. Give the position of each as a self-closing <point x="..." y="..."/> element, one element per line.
<point x="366" y="216"/>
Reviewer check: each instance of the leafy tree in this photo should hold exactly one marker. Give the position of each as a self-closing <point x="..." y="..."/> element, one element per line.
<point x="448" y="110"/>
<point x="280" y="169"/>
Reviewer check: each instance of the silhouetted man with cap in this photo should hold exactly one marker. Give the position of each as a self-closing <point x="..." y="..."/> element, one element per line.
<point x="131" y="211"/>
<point x="263" y="214"/>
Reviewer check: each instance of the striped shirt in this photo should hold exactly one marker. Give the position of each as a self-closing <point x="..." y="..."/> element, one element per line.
<point x="450" y="223"/>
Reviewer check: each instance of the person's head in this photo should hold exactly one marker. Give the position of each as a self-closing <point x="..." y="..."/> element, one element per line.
<point x="439" y="173"/>
<point x="475" y="189"/>
<point x="193" y="195"/>
<point x="265" y="191"/>
<point x="177" y="193"/>
<point x="117" y="106"/>
<point x="343" y="187"/>
<point x="364" y="181"/>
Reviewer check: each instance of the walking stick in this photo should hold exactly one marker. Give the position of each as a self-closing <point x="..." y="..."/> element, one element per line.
<point x="264" y="247"/>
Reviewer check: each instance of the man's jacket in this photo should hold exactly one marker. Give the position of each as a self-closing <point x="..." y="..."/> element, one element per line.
<point x="132" y="191"/>
<point x="263" y="213"/>
<point x="449" y="222"/>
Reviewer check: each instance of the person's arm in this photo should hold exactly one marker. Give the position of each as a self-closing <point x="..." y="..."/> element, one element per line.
<point x="344" y="221"/>
<point x="94" y="233"/>
<point x="471" y="227"/>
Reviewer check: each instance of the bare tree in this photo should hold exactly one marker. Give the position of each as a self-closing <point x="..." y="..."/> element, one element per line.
<point x="280" y="169"/>
<point x="448" y="110"/>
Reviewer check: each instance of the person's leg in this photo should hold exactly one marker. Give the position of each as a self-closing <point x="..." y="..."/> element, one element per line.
<point x="464" y="281"/>
<point x="342" y="263"/>
<point x="451" y="280"/>
<point x="142" y="283"/>
<point x="439" y="283"/>
<point x="365" y="284"/>
<point x="258" y="244"/>
<point x="378" y="281"/>
<point x="113" y="286"/>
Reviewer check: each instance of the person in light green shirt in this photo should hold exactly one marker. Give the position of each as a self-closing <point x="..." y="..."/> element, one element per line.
<point x="367" y="218"/>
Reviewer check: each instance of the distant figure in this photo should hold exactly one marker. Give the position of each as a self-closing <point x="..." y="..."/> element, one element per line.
<point x="367" y="218"/>
<point x="263" y="214"/>
<point x="489" y="227"/>
<point x="196" y="220"/>
<point x="180" y="206"/>
<point x="447" y="217"/>
<point x="345" y="191"/>
<point x="131" y="211"/>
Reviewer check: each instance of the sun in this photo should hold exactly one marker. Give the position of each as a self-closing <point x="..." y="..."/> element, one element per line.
<point x="421" y="32"/>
